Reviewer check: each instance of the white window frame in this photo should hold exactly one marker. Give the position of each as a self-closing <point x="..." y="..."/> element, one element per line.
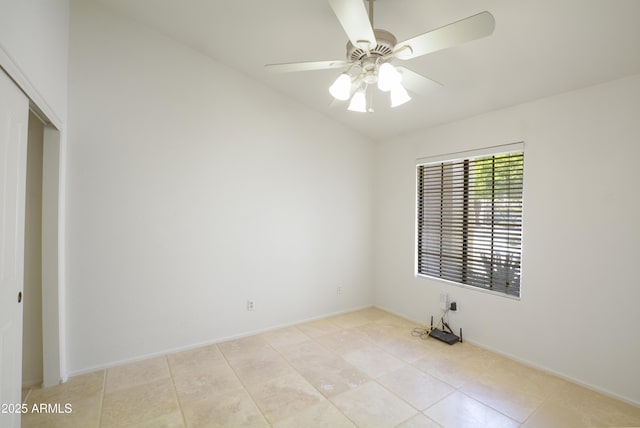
<point x="459" y="156"/>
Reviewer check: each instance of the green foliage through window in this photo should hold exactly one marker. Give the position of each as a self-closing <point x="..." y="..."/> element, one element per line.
<point x="470" y="221"/>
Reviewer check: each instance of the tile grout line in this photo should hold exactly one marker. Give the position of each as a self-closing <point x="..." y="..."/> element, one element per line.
<point x="327" y="399"/>
<point x="398" y="397"/>
<point x="418" y="414"/>
<point x="102" y="396"/>
<point x="459" y="389"/>
<point x="380" y="345"/>
<point x="175" y="390"/>
<point x="454" y="389"/>
<point x="534" y="411"/>
<point x="244" y="387"/>
<point x="26" y="398"/>
<point x="491" y="407"/>
<point x="410" y="364"/>
<point x="406" y="364"/>
<point x="375" y="379"/>
<point x="371" y="378"/>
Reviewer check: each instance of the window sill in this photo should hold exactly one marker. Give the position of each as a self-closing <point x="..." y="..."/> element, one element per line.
<point x="471" y="287"/>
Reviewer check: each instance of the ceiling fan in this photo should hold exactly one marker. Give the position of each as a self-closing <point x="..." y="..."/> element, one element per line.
<point x="370" y="53"/>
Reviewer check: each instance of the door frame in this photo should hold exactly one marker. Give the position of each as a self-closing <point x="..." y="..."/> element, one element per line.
<point x="53" y="227"/>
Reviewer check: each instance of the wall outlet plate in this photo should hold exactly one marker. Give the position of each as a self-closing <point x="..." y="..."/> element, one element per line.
<point x="251" y="305"/>
<point x="444" y="301"/>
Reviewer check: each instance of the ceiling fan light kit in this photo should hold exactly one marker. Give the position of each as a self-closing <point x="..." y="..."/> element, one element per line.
<point x="388" y="77"/>
<point x="370" y="53"/>
<point x="358" y="102"/>
<point x="399" y="96"/>
<point x="341" y="88"/>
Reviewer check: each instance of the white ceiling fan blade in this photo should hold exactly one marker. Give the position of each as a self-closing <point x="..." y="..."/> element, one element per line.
<point x="417" y="82"/>
<point x="354" y="19"/>
<point x="465" y="30"/>
<point x="306" y="66"/>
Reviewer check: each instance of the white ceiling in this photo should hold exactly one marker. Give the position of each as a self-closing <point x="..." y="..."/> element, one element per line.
<point x="539" y="48"/>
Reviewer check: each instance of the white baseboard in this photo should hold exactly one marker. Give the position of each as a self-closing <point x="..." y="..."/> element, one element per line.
<point x="532" y="364"/>
<point x="208" y="342"/>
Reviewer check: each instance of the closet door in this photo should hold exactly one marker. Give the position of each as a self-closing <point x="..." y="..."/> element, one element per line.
<point x="14" y="115"/>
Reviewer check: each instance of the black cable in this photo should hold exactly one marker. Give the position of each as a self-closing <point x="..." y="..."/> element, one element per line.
<point x="423" y="333"/>
<point x="445" y="325"/>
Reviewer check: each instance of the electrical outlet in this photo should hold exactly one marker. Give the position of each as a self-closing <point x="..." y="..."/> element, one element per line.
<point x="444" y="301"/>
<point x="251" y="305"/>
<point x="338" y="290"/>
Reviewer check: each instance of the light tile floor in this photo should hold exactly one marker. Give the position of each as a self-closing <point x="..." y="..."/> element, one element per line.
<point x="361" y="369"/>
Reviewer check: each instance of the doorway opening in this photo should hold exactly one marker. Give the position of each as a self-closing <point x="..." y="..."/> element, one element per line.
<point x="41" y="363"/>
<point x="32" y="365"/>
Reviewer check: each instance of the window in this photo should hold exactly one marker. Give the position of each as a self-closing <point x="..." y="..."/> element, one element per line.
<point x="469" y="219"/>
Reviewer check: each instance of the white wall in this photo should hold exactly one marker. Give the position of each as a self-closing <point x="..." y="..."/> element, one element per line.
<point x="578" y="314"/>
<point x="191" y="189"/>
<point x="34" y="38"/>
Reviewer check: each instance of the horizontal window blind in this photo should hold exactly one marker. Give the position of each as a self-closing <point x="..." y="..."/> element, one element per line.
<point x="470" y="221"/>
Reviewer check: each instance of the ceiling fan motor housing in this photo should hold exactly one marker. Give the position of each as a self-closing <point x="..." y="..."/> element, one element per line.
<point x="367" y="64"/>
<point x="386" y="43"/>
